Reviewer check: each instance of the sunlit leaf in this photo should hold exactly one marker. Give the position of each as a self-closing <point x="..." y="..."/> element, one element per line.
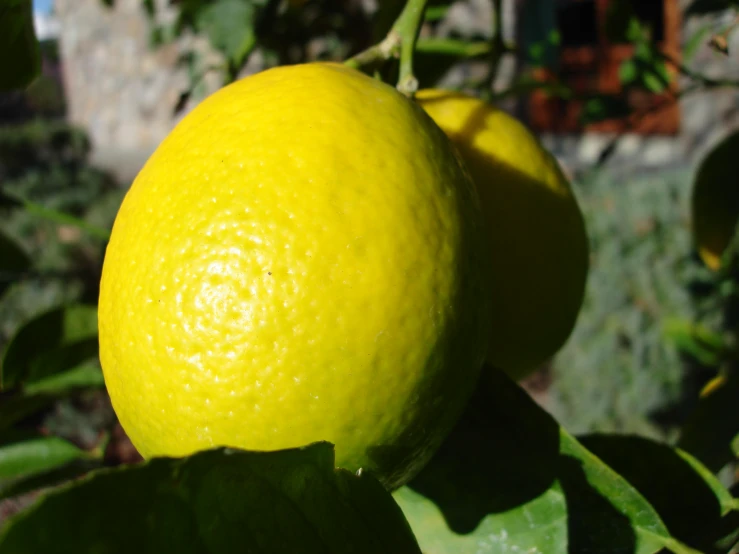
<point x="23" y="454"/>
<point x="657" y="471"/>
<point x="509" y="479"/>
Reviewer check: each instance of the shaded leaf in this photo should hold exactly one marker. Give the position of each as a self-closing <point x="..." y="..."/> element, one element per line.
<point x="509" y="479"/>
<point x="18" y="45"/>
<point x="15" y="407"/>
<point x="217" y="501"/>
<point x="23" y="454"/>
<point x="658" y="471"/>
<point x="13" y="261"/>
<point x="704" y="7"/>
<point x="55" y="341"/>
<point x="714" y="425"/>
<point x="600" y="108"/>
<point x="45" y="479"/>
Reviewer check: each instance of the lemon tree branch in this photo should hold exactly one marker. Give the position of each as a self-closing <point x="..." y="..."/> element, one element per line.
<point x="400" y="42"/>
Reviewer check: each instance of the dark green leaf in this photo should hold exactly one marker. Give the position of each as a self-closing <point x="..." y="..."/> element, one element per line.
<point x="23" y="454"/>
<point x="604" y="107"/>
<point x="703" y="7"/>
<point x="18" y="45"/>
<point x="13" y="262"/>
<point x="217" y="501"/>
<point x="509" y="479"/>
<point x="55" y="341"/>
<point x="15" y="407"/>
<point x="658" y="471"/>
<point x="714" y="425"/>
<point x="45" y="479"/>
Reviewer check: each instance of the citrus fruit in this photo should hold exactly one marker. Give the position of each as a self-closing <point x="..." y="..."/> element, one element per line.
<point x="301" y="259"/>
<point x="537" y="242"/>
<point x="715" y="201"/>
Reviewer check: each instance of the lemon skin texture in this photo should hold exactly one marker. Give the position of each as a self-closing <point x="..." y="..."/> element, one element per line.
<point x="715" y="201"/>
<point x="300" y="260"/>
<point x="537" y="241"/>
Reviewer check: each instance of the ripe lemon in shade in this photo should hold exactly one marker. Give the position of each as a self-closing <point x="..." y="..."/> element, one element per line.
<point x="537" y="243"/>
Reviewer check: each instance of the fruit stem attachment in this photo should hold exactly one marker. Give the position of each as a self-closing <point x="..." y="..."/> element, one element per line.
<point x="400" y="42"/>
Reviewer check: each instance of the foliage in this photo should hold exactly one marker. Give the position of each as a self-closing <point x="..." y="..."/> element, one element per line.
<point x="508" y="478"/>
<point x="617" y="369"/>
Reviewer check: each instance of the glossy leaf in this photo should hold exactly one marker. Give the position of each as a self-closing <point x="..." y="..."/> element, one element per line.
<point x="55" y="341"/>
<point x="220" y="501"/>
<point x="509" y="479"/>
<point x="658" y="471"/>
<point x="23" y="454"/>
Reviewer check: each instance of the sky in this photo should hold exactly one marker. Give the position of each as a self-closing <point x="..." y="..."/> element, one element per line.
<point x="43" y="6"/>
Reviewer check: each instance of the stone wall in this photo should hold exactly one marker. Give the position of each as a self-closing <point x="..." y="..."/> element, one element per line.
<point x="117" y="87"/>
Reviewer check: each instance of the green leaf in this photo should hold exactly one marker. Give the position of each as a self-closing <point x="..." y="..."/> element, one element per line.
<point x="220" y="501"/>
<point x="55" y="341"/>
<point x="45" y="479"/>
<point x="714" y="425"/>
<point x="627" y="72"/>
<point x="229" y="25"/>
<point x="23" y="454"/>
<point x="15" y="407"/>
<point x="18" y="45"/>
<point x="13" y="261"/>
<point x="509" y="479"/>
<point x="706" y="346"/>
<point x="83" y="377"/>
<point x="696" y="40"/>
<point x="694" y="515"/>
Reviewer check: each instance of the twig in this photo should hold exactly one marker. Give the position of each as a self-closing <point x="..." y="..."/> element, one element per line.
<point x="497" y="46"/>
<point x="399" y="42"/>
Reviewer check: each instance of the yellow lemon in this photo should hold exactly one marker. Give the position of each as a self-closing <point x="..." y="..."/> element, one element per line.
<point x="537" y="242"/>
<point x="301" y="259"/>
<point x="715" y="202"/>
